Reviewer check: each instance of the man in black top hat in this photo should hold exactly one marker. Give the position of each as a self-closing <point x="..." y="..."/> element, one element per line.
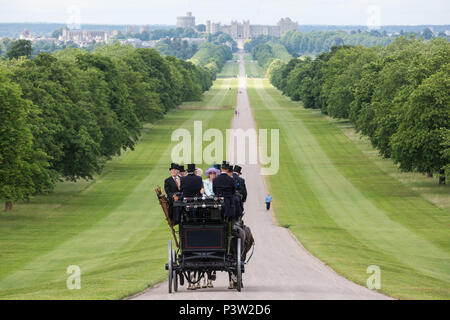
<point x="224" y="186"/>
<point x="172" y="184"/>
<point x="191" y="185"/>
<point x="240" y="182"/>
<point x="182" y="172"/>
<point x="172" y="187"/>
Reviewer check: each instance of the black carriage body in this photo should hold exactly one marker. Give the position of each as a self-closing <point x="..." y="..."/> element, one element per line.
<point x="203" y="237"/>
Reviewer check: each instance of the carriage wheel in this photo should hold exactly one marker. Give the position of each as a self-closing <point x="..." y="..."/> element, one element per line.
<point x="170" y="266"/>
<point x="238" y="266"/>
<point x="175" y="273"/>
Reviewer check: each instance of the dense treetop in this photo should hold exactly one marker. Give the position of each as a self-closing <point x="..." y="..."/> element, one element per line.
<point x="65" y="114"/>
<point x="397" y="95"/>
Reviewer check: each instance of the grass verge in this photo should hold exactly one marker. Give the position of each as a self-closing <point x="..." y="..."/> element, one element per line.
<point x="348" y="211"/>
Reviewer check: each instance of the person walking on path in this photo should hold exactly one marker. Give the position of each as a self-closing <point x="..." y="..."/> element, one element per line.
<point x="268" y="201"/>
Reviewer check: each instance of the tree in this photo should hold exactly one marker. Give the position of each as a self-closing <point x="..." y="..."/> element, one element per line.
<point x="274" y="72"/>
<point x="20" y="48"/>
<point x="15" y="143"/>
<point x="445" y="156"/>
<point x="342" y="73"/>
<point x="419" y="142"/>
<point x="201" y="28"/>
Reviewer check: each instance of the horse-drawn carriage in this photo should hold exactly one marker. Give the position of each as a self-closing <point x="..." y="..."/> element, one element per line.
<point x="208" y="242"/>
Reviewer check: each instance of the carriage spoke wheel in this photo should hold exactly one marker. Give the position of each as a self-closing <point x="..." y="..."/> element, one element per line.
<point x="238" y="266"/>
<point x="170" y="266"/>
<point x="175" y="273"/>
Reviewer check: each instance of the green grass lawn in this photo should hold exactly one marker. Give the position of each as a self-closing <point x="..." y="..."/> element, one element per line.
<point x="221" y="96"/>
<point x="112" y="228"/>
<point x="252" y="68"/>
<point x="350" y="210"/>
<point x="230" y="70"/>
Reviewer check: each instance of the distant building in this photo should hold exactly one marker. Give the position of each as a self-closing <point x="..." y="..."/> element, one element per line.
<point x="137" y="43"/>
<point x="245" y="30"/>
<point x="186" y="22"/>
<point x="144" y="29"/>
<point x="286" y="24"/>
<point x="131" y="29"/>
<point x="26" y="35"/>
<point x="82" y="37"/>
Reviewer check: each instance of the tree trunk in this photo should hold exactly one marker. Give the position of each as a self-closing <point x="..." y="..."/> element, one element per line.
<point x="8" y="206"/>
<point x="442" y="177"/>
<point x="430" y="174"/>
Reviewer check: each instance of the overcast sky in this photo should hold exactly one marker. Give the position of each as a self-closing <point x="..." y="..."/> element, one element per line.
<point x="339" y="12"/>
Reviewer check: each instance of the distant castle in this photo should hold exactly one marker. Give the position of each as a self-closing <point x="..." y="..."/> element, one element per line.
<point x="240" y="30"/>
<point x="245" y="30"/>
<point x="186" y="22"/>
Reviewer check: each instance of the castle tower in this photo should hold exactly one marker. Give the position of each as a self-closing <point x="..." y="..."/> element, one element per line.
<point x="186" y="22"/>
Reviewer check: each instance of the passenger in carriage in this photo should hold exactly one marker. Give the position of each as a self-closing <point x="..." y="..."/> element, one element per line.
<point x="172" y="184"/>
<point x="182" y="171"/>
<point x="198" y="172"/>
<point x="241" y="188"/>
<point x="237" y="175"/>
<point x="171" y="188"/>
<point x="211" y="173"/>
<point x="223" y="186"/>
<point x="191" y="184"/>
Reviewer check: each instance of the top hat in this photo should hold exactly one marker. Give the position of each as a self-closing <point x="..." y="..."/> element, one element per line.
<point x="174" y="166"/>
<point x="181" y="168"/>
<point x="217" y="166"/>
<point x="225" y="165"/>
<point x="237" y="169"/>
<point x="191" y="167"/>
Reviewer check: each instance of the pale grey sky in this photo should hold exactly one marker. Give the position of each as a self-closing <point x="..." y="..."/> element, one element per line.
<point x="339" y="12"/>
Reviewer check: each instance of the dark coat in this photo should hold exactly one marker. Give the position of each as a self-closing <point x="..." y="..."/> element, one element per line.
<point x="170" y="187"/>
<point x="240" y="186"/>
<point x="224" y="186"/>
<point x="191" y="185"/>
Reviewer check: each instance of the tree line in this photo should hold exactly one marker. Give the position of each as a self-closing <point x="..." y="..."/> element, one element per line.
<point x="265" y="49"/>
<point x="212" y="56"/>
<point x="63" y="115"/>
<point x="316" y="42"/>
<point x="398" y="96"/>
